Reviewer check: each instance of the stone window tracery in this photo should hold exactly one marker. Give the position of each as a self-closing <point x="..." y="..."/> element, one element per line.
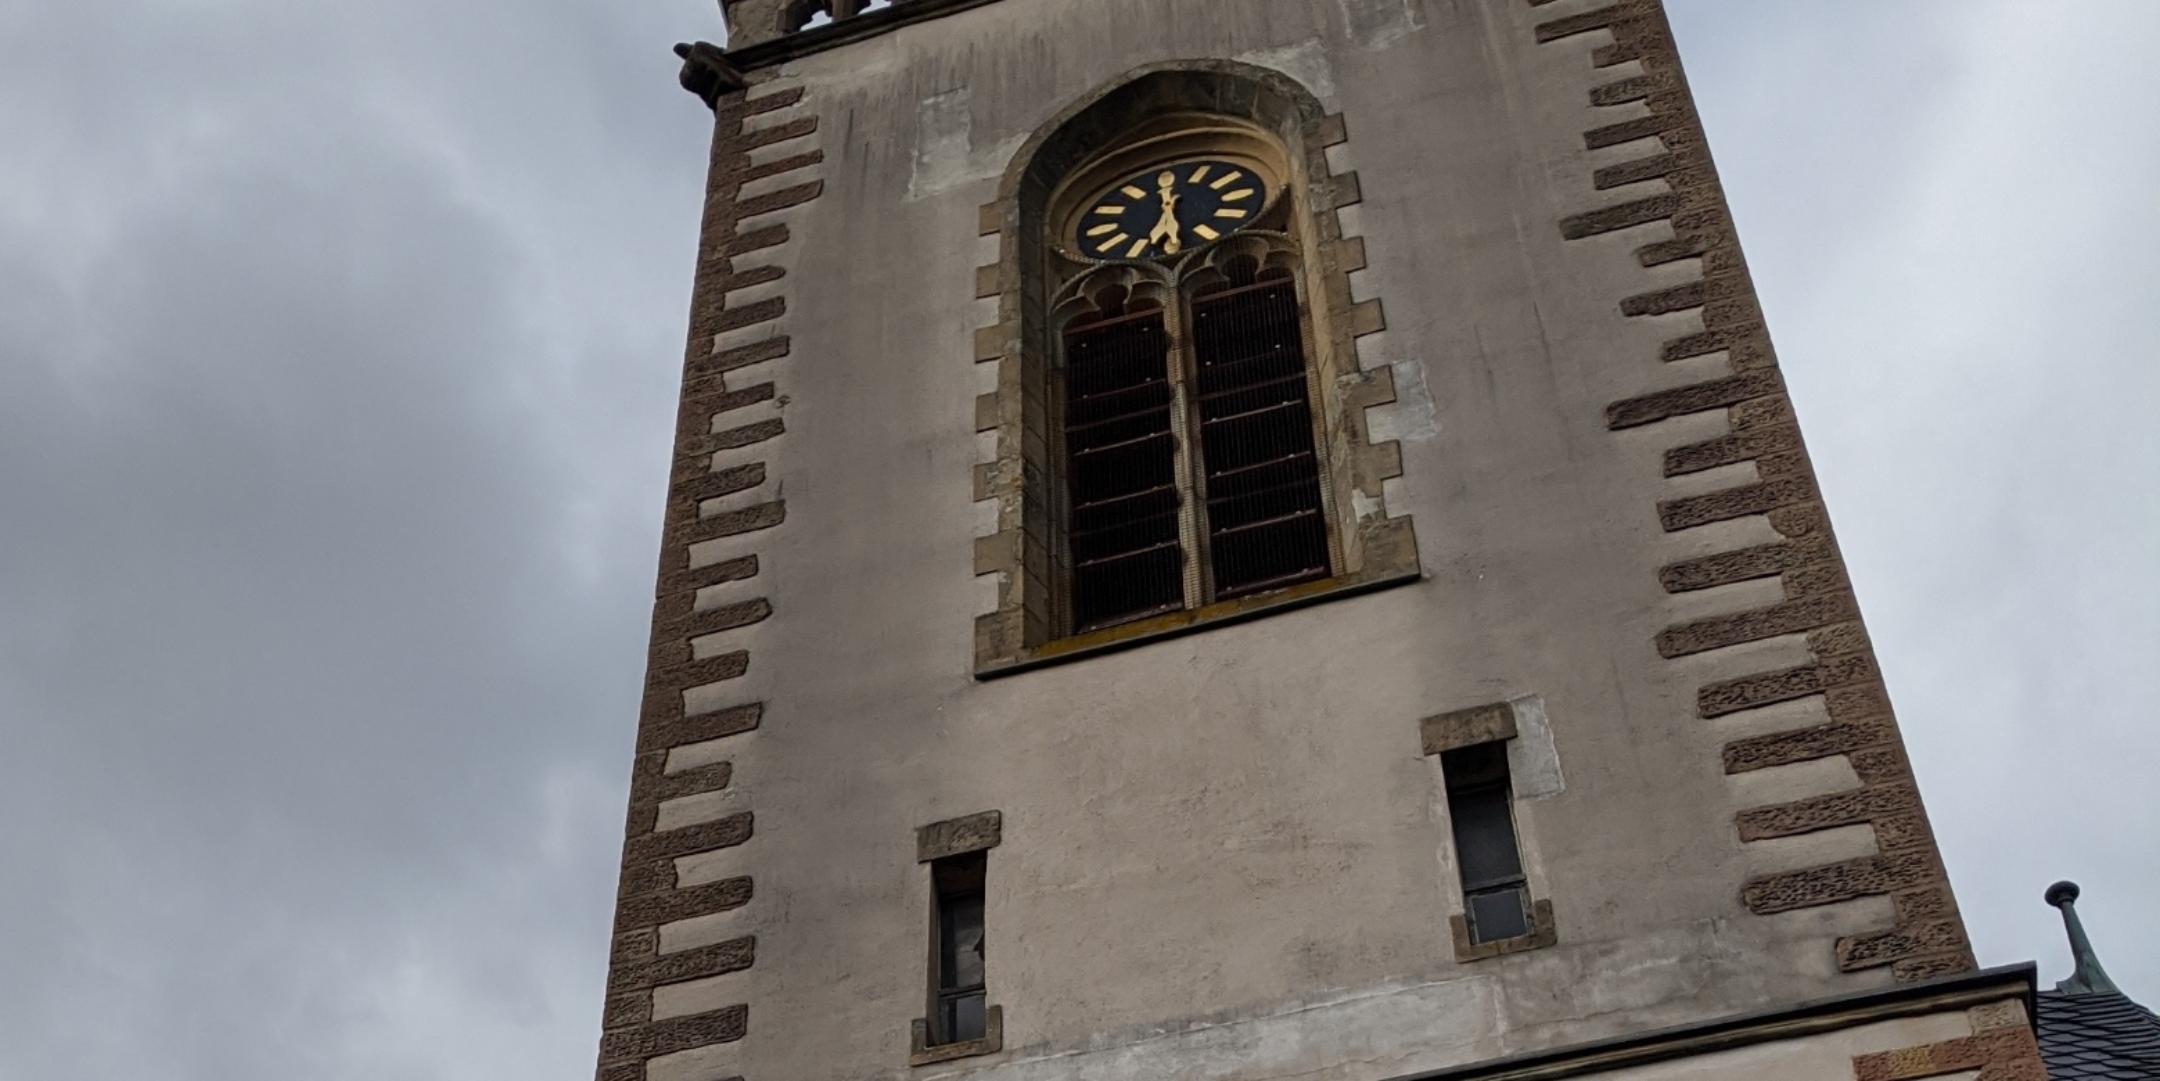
<point x="1190" y="460"/>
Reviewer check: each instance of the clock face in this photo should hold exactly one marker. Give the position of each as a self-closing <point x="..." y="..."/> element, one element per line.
<point x="1169" y="209"/>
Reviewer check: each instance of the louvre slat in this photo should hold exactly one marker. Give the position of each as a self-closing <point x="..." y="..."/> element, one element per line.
<point x="1120" y="471"/>
<point x="1265" y="523"/>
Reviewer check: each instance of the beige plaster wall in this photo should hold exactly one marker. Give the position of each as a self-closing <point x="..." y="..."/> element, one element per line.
<point x="1224" y="855"/>
<point x="1822" y="1057"/>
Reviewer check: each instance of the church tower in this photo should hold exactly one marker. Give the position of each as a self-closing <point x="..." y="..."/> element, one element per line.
<point x="1230" y="540"/>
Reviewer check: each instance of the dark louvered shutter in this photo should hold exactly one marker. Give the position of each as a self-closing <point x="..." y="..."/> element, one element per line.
<point x="1121" y="471"/>
<point x="1265" y="525"/>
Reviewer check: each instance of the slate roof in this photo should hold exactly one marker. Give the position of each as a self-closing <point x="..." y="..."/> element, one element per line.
<point x="2097" y="1037"/>
<point x="2088" y="1029"/>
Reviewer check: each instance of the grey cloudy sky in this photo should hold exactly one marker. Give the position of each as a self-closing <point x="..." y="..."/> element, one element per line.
<point x="337" y="359"/>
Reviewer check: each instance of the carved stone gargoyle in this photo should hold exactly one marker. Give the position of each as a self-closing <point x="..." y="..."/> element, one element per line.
<point x="707" y="73"/>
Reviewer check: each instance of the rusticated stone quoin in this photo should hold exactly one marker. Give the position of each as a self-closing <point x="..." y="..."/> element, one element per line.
<point x="1578" y="24"/>
<point x="718" y="959"/>
<point x="1662" y="252"/>
<point x="1740" y="502"/>
<point x="1882" y="948"/>
<point x="1695" y="398"/>
<point x="742" y="356"/>
<point x="726" y="617"/>
<point x="649" y="895"/>
<point x="1827" y="812"/>
<point x="678" y="587"/>
<point x="748" y="435"/>
<point x="1761" y="428"/>
<point x="1727" y="568"/>
<point x="1667" y="145"/>
<point x="1849" y="880"/>
<point x="1620" y="216"/>
<point x="726" y="482"/>
<point x="1621" y="91"/>
<point x="1932" y="966"/>
<point x="1633" y="172"/>
<point x="1924" y="904"/>
<point x="657" y="1038"/>
<point x="1801" y="745"/>
<point x="703" y="837"/>
<point x="2006" y="1053"/>
<point x="1792" y="617"/>
<point x="698" y="673"/>
<point x="658" y="734"/>
<point x="1769" y="688"/>
<point x="737" y="523"/>
<point x="651" y="785"/>
<point x="646" y="910"/>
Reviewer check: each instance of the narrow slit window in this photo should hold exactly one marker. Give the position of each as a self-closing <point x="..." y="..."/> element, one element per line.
<point x="1496" y="896"/>
<point x="958" y="1013"/>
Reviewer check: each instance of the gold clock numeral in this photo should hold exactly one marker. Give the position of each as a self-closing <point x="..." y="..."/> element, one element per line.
<point x="1112" y="243"/>
<point x="1226" y="180"/>
<point x="1109" y="211"/>
<point x="1199" y="174"/>
<point x="1106" y="227"/>
<point x="1138" y="246"/>
<point x="1238" y="196"/>
<point x="1230" y="212"/>
<point x="1206" y="232"/>
<point x="1133" y="192"/>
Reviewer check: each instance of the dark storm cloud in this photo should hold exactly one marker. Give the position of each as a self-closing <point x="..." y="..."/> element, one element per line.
<point x="337" y="352"/>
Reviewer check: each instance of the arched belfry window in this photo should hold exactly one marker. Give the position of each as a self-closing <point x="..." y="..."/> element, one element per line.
<point x="1180" y="414"/>
<point x="1188" y="454"/>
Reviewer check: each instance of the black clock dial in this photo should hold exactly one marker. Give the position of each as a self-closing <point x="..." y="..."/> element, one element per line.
<point x="1169" y="209"/>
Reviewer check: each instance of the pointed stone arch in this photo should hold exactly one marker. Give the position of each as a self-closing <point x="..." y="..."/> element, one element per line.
<point x="1375" y="549"/>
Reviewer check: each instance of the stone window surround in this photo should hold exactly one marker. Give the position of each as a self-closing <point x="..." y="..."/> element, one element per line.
<point x="1173" y="287"/>
<point x="1375" y="550"/>
<point x="1469" y="727"/>
<point x="979" y="832"/>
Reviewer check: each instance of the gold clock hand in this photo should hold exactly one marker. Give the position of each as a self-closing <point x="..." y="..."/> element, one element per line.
<point x="1166" y="227"/>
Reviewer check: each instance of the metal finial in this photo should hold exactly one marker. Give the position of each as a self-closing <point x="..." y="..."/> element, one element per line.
<point x="2090" y="978"/>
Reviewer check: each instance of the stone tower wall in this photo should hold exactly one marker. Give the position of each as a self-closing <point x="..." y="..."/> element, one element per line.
<point x="1226" y="855"/>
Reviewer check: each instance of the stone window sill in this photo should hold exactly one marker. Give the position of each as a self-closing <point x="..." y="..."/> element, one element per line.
<point x="1541" y="934"/>
<point x="1175" y="624"/>
<point x="922" y="1053"/>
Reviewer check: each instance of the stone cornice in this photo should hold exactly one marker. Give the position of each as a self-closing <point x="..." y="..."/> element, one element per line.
<point x="854" y="28"/>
